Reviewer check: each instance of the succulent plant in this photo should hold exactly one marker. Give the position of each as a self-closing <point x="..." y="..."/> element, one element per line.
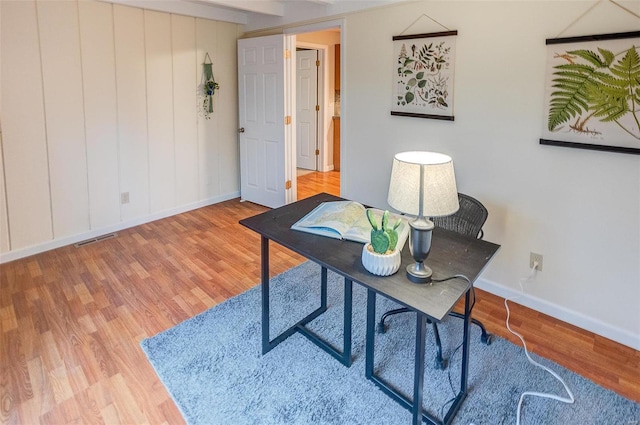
<point x="384" y="237"/>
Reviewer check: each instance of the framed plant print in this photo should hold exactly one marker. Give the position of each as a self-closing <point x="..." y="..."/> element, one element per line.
<point x="423" y="75"/>
<point x="592" y="93"/>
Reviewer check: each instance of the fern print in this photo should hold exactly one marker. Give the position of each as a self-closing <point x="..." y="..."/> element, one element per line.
<point x="595" y="88"/>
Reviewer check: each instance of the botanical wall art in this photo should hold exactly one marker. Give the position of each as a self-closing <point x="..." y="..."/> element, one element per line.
<point x="423" y="75"/>
<point x="593" y="92"/>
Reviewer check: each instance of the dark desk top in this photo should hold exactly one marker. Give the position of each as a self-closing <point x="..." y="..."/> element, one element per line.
<point x="451" y="254"/>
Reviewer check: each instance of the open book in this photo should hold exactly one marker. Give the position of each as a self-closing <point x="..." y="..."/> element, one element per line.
<point x="347" y="220"/>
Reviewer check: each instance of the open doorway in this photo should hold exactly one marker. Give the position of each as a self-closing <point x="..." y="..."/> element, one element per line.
<point x="318" y="124"/>
<point x="309" y="102"/>
<point x="267" y="144"/>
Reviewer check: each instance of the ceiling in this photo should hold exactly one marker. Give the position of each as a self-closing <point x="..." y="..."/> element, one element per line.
<point x="265" y="7"/>
<point x="258" y="14"/>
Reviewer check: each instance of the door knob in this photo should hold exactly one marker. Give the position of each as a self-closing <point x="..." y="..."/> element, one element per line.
<point x="241" y="130"/>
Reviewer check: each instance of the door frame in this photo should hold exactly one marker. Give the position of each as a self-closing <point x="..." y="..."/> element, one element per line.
<point x="321" y="139"/>
<point x="321" y="26"/>
<point x="291" y="194"/>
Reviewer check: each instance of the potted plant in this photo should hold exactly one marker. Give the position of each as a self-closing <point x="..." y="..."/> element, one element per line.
<point x="381" y="256"/>
<point x="210" y="87"/>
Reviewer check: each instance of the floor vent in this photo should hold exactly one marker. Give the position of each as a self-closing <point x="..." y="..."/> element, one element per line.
<point x="96" y="239"/>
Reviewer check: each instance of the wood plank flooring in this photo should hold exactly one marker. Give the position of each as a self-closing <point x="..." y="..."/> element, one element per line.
<point x="72" y="318"/>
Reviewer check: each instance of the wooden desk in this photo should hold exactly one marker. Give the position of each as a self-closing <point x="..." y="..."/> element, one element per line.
<point x="451" y="254"/>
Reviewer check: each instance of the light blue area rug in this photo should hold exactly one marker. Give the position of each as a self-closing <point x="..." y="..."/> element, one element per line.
<point x="213" y="368"/>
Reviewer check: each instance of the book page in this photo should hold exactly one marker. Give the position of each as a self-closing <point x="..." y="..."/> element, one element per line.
<point x="331" y="219"/>
<point x="360" y="231"/>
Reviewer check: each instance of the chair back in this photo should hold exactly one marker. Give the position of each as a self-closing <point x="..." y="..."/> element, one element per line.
<point x="468" y="220"/>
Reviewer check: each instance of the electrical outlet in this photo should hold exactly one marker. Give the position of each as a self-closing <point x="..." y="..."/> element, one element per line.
<point x="124" y="198"/>
<point x="535" y="258"/>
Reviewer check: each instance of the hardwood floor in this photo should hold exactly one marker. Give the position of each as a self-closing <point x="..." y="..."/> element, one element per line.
<point x="72" y="318"/>
<point x="312" y="183"/>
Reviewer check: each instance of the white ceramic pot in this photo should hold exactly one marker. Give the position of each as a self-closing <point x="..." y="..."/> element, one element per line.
<point x="380" y="264"/>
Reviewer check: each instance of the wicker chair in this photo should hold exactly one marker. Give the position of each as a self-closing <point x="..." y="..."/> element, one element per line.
<point x="468" y="221"/>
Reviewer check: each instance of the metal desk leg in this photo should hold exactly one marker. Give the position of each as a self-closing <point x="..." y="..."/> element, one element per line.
<point x="267" y="343"/>
<point x="386" y="387"/>
<point x="264" y="275"/>
<point x="465" y="344"/>
<point x="348" y="306"/>
<point x="464" y="373"/>
<point x="415" y="404"/>
<point x="343" y="356"/>
<point x="371" y="334"/>
<point x="418" y="376"/>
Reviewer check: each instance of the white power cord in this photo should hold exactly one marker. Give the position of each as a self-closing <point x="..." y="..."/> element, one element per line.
<point x="570" y="399"/>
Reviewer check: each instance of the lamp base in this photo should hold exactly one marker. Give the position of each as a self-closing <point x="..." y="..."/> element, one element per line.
<point x="419" y="273"/>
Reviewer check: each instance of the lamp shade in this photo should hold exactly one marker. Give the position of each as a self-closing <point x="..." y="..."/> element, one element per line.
<point x="438" y="185"/>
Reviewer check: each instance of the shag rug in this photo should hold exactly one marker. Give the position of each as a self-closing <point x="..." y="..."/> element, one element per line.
<point x="212" y="366"/>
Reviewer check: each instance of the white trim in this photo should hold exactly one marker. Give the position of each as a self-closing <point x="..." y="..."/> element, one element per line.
<point x="193" y="9"/>
<point x="575" y="318"/>
<point x="290" y="68"/>
<point x="320" y="26"/>
<point x="57" y="243"/>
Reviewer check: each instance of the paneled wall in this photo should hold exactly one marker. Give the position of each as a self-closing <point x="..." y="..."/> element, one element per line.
<point x="100" y="100"/>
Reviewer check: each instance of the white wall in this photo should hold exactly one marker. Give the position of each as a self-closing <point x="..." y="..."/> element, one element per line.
<point x="99" y="99"/>
<point x="579" y="208"/>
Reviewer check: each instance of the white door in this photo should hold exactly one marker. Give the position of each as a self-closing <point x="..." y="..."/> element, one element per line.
<point x="267" y="154"/>
<point x="306" y="112"/>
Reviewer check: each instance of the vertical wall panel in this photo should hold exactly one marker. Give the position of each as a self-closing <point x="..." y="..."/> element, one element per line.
<point x="64" y="113"/>
<point x="23" y="130"/>
<point x="101" y="122"/>
<point x="162" y="175"/>
<point x="128" y="26"/>
<point x="229" y="153"/>
<point x="184" y="98"/>
<point x="209" y="168"/>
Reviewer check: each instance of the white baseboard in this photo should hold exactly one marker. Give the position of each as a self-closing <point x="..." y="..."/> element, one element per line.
<point x="68" y="240"/>
<point x="580" y="320"/>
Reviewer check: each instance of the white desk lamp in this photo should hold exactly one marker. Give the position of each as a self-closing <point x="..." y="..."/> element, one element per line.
<point x="422" y="184"/>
